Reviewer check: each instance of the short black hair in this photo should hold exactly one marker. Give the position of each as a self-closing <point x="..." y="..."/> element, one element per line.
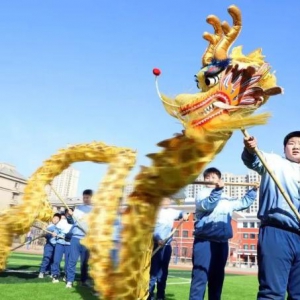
<point x="88" y="192"/>
<point x="212" y="170"/>
<point x="57" y="215"/>
<point x="290" y="135"/>
<point x="67" y="210"/>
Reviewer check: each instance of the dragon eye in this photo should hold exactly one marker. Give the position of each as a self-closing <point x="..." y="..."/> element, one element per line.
<point x="197" y="81"/>
<point x="212" y="80"/>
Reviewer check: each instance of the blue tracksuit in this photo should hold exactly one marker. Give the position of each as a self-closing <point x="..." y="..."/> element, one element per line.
<point x="48" y="249"/>
<point x="278" y="270"/>
<point x="212" y="231"/>
<point x="77" y="249"/>
<point x="160" y="261"/>
<point x="62" y="247"/>
<point x="116" y="241"/>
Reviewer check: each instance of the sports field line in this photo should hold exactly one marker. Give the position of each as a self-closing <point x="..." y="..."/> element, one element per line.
<point x="18" y="261"/>
<point x="172" y="276"/>
<point x="24" y="255"/>
<point x="21" y="271"/>
<point x="186" y="282"/>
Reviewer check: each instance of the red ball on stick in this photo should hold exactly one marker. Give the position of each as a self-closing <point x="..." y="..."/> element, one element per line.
<point x="156" y="72"/>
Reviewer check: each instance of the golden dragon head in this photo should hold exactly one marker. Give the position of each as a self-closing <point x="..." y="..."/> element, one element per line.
<point x="232" y="86"/>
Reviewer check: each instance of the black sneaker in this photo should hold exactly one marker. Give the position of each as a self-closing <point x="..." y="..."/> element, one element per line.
<point x="86" y="284"/>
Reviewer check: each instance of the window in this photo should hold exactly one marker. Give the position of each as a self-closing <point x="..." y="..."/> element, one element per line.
<point x="252" y="247"/>
<point x="184" y="251"/>
<point x="252" y="224"/>
<point x="245" y="235"/>
<point x="185" y="233"/>
<point x="252" y="236"/>
<point x="176" y="233"/>
<point x="245" y="247"/>
<point x="245" y="225"/>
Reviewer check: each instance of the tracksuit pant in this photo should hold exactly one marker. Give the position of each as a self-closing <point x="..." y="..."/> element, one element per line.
<point x="77" y="250"/>
<point x="60" y="250"/>
<point x="209" y="261"/>
<point x="278" y="264"/>
<point x="114" y="254"/>
<point x="47" y="257"/>
<point x="159" y="271"/>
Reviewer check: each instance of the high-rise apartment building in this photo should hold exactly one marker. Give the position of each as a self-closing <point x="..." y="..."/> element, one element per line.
<point x="191" y="190"/>
<point x="65" y="184"/>
<point x="253" y="177"/>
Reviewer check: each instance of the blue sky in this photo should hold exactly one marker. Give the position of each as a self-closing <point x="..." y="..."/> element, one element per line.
<point x="79" y="71"/>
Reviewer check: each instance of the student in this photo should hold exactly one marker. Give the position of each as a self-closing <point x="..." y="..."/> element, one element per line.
<point x="279" y="234"/>
<point x="117" y="235"/>
<point x="116" y="241"/>
<point x="212" y="232"/>
<point x="28" y="240"/>
<point x="67" y="214"/>
<point x="77" y="249"/>
<point x="62" y="248"/>
<point x="50" y="245"/>
<point x="161" y="259"/>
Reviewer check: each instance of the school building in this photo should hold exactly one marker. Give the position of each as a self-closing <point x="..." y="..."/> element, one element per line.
<point x="243" y="245"/>
<point x="12" y="185"/>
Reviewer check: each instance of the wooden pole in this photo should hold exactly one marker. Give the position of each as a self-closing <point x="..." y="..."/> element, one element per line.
<point x="275" y="179"/>
<point x="227" y="183"/>
<point x="28" y="242"/>
<point x="40" y="228"/>
<point x="47" y="231"/>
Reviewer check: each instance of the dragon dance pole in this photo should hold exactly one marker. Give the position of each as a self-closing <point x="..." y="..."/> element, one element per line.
<point x="275" y="179"/>
<point x="40" y="228"/>
<point x="228" y="183"/>
<point x="28" y="242"/>
<point x="47" y="231"/>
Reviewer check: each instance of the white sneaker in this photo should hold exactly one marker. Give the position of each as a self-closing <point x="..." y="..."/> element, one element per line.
<point x="65" y="279"/>
<point x="41" y="275"/>
<point x="69" y="285"/>
<point x="55" y="279"/>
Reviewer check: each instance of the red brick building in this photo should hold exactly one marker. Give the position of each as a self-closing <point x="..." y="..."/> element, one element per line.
<point x="242" y="247"/>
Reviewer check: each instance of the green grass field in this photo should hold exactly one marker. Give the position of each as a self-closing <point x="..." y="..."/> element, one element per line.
<point x="20" y="282"/>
